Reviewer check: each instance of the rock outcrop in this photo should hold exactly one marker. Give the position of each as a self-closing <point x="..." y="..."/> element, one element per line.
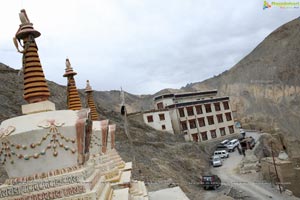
<point x="264" y="86"/>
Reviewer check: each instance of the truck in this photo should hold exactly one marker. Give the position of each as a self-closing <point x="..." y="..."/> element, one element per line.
<point x="210" y="181"/>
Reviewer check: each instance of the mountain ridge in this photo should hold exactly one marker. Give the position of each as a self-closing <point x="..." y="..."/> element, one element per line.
<point x="264" y="86"/>
<point x="264" y="91"/>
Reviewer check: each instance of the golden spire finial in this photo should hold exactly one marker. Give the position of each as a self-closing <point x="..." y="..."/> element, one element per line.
<point x="73" y="98"/>
<point x="35" y="85"/>
<point x="69" y="69"/>
<point x="90" y="101"/>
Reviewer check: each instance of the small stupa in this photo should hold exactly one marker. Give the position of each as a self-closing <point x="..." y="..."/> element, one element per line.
<point x="73" y="99"/>
<point x="46" y="152"/>
<point x="35" y="86"/>
<point x="90" y="101"/>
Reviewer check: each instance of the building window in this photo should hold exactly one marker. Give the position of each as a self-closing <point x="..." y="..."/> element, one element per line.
<point x="190" y="111"/>
<point x="210" y="120"/>
<point x="150" y="118"/>
<point x="199" y="109"/>
<point x="228" y="116"/>
<point x="195" y="137"/>
<point x="181" y="112"/>
<point x="161" y="117"/>
<point x="222" y="131"/>
<point x="160" y="105"/>
<point x="217" y="106"/>
<point x="220" y="118"/>
<point x="213" y="134"/>
<point x="226" y="105"/>
<point x="163" y="127"/>
<point x="183" y="125"/>
<point x="201" y="121"/>
<point x="204" y="135"/>
<point x="231" y="130"/>
<point x="192" y="124"/>
<point x="208" y="108"/>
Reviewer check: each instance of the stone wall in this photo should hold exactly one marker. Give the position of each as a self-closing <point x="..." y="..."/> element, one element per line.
<point x="288" y="175"/>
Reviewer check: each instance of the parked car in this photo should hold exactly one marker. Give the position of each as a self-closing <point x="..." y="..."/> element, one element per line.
<point x="232" y="144"/>
<point x="224" y="142"/>
<point x="210" y="181"/>
<point x="221" y="153"/>
<point x="217" y="161"/>
<point x="222" y="147"/>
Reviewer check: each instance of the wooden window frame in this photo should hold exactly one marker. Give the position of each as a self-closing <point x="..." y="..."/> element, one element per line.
<point x="161" y="117"/>
<point x="150" y="118"/>
<point x="208" y="108"/>
<point x="209" y="121"/>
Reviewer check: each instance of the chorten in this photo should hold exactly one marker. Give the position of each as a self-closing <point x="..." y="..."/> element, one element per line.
<point x="35" y="86"/>
<point x="46" y="152"/>
<point x="100" y="129"/>
<point x="90" y="101"/>
<point x="73" y="99"/>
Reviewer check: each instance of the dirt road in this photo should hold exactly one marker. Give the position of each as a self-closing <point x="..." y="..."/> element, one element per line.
<point x="251" y="188"/>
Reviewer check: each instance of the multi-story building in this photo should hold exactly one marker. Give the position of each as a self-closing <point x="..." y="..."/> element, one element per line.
<point x="200" y="116"/>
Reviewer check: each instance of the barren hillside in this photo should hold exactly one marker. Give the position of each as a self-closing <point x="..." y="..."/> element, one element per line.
<point x="160" y="158"/>
<point x="264" y="86"/>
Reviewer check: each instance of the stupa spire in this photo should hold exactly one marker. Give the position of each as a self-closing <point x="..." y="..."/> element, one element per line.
<point x="90" y="101"/>
<point x="73" y="100"/>
<point x="35" y="85"/>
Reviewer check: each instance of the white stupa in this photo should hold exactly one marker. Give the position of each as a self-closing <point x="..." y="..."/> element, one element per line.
<point x="60" y="154"/>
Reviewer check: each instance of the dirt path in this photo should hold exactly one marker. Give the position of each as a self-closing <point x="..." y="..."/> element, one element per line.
<point x="231" y="179"/>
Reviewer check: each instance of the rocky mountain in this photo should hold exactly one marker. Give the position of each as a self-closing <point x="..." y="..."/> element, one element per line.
<point x="11" y="96"/>
<point x="264" y="90"/>
<point x="264" y="86"/>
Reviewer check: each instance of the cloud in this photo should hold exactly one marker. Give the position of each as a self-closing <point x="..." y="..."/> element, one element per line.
<point x="143" y="46"/>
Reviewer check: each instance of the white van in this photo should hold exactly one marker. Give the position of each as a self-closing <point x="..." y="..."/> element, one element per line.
<point x="217" y="161"/>
<point x="221" y="153"/>
<point x="224" y="142"/>
<point x="232" y="144"/>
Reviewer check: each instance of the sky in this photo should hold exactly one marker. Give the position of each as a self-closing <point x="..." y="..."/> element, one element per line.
<point x="142" y="46"/>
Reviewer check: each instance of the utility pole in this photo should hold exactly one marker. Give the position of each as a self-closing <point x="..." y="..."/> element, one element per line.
<point x="124" y="113"/>
<point x="275" y="168"/>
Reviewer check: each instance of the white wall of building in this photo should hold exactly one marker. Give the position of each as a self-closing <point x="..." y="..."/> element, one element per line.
<point x="207" y="128"/>
<point x="166" y="102"/>
<point x="158" y="124"/>
<point x="192" y="133"/>
<point x="175" y="120"/>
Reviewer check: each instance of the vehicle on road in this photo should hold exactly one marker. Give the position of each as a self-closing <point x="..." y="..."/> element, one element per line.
<point x="243" y="133"/>
<point x="210" y="181"/>
<point x="224" y="142"/>
<point x="247" y="143"/>
<point x="232" y="144"/>
<point x="217" y="161"/>
<point x="222" y="147"/>
<point x="221" y="153"/>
